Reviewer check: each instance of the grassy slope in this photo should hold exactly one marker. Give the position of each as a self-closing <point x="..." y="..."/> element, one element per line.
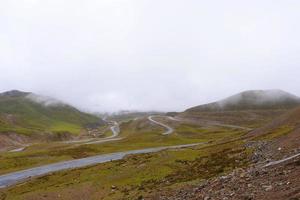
<point x="136" y="175"/>
<point x="249" y="118"/>
<point x="21" y="115"/>
<point x="251" y="109"/>
<point x="152" y="172"/>
<point x="165" y="170"/>
<point x="146" y="136"/>
<point x="252" y="100"/>
<point x="288" y="120"/>
<point x="143" y="175"/>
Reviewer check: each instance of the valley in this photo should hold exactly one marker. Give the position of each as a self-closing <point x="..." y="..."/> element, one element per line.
<point x="149" y="100"/>
<point x="183" y="156"/>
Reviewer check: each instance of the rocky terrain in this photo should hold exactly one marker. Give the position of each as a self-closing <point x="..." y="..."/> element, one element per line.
<point x="264" y="178"/>
<point x="275" y="182"/>
<point x="238" y="154"/>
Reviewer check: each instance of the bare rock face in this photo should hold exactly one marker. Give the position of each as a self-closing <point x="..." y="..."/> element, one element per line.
<point x="12" y="140"/>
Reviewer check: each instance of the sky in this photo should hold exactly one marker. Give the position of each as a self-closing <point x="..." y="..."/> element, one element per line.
<point x="164" y="55"/>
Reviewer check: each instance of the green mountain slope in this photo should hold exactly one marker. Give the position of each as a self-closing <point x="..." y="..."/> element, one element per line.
<point x="27" y="113"/>
<point x="253" y="99"/>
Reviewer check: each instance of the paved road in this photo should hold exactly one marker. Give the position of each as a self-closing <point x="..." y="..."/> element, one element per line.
<point x="16" y="177"/>
<point x="103" y="141"/>
<point x="168" y="128"/>
<point x="115" y="129"/>
<point x="233" y="126"/>
<point x="281" y="161"/>
<point x="18" y="149"/>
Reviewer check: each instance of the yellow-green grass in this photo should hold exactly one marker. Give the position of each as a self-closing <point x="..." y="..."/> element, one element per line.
<point x="136" y="176"/>
<point x="107" y="133"/>
<point x="52" y="152"/>
<point x="207" y="132"/>
<point x="278" y="132"/>
<point x="34" y="131"/>
<point x="67" y="127"/>
<point x="20" y="115"/>
<point x="46" y="153"/>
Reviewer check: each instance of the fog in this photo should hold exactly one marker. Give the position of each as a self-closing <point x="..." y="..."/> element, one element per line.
<point x="258" y="97"/>
<point x="168" y="55"/>
<point x="44" y="100"/>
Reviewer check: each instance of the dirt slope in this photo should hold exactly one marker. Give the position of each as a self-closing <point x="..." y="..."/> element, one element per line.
<point x="283" y="132"/>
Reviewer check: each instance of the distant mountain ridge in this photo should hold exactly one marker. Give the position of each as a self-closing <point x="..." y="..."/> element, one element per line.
<point x="14" y="93"/>
<point x="252" y="99"/>
<point x="28" y="113"/>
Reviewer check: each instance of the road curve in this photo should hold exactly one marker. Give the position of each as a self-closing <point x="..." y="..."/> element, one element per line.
<point x="16" y="177"/>
<point x="115" y="129"/>
<point x="169" y="129"/>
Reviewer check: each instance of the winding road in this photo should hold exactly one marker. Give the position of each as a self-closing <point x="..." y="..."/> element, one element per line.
<point x="16" y="177"/>
<point x="169" y="129"/>
<point x="115" y="129"/>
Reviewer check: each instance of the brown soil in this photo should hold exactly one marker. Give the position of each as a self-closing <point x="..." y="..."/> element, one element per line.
<point x="249" y="118"/>
<point x="291" y="118"/>
<point x="9" y="141"/>
<point x="280" y="182"/>
<point x="12" y="140"/>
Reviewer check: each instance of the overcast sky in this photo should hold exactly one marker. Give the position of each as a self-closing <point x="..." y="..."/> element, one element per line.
<point x="109" y="55"/>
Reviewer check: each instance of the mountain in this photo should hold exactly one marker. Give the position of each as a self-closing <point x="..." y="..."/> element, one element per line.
<point x="253" y="99"/>
<point x="27" y="113"/>
<point x="288" y="120"/>
<point x="284" y="131"/>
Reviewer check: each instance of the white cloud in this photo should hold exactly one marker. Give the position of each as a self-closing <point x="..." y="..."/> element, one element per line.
<point x="152" y="55"/>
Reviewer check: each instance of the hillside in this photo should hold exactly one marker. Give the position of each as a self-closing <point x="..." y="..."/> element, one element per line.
<point x="253" y="99"/>
<point x="289" y="119"/>
<point x="273" y="173"/>
<point x="283" y="132"/>
<point x="251" y="109"/>
<point x="27" y="113"/>
<point x="227" y="162"/>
